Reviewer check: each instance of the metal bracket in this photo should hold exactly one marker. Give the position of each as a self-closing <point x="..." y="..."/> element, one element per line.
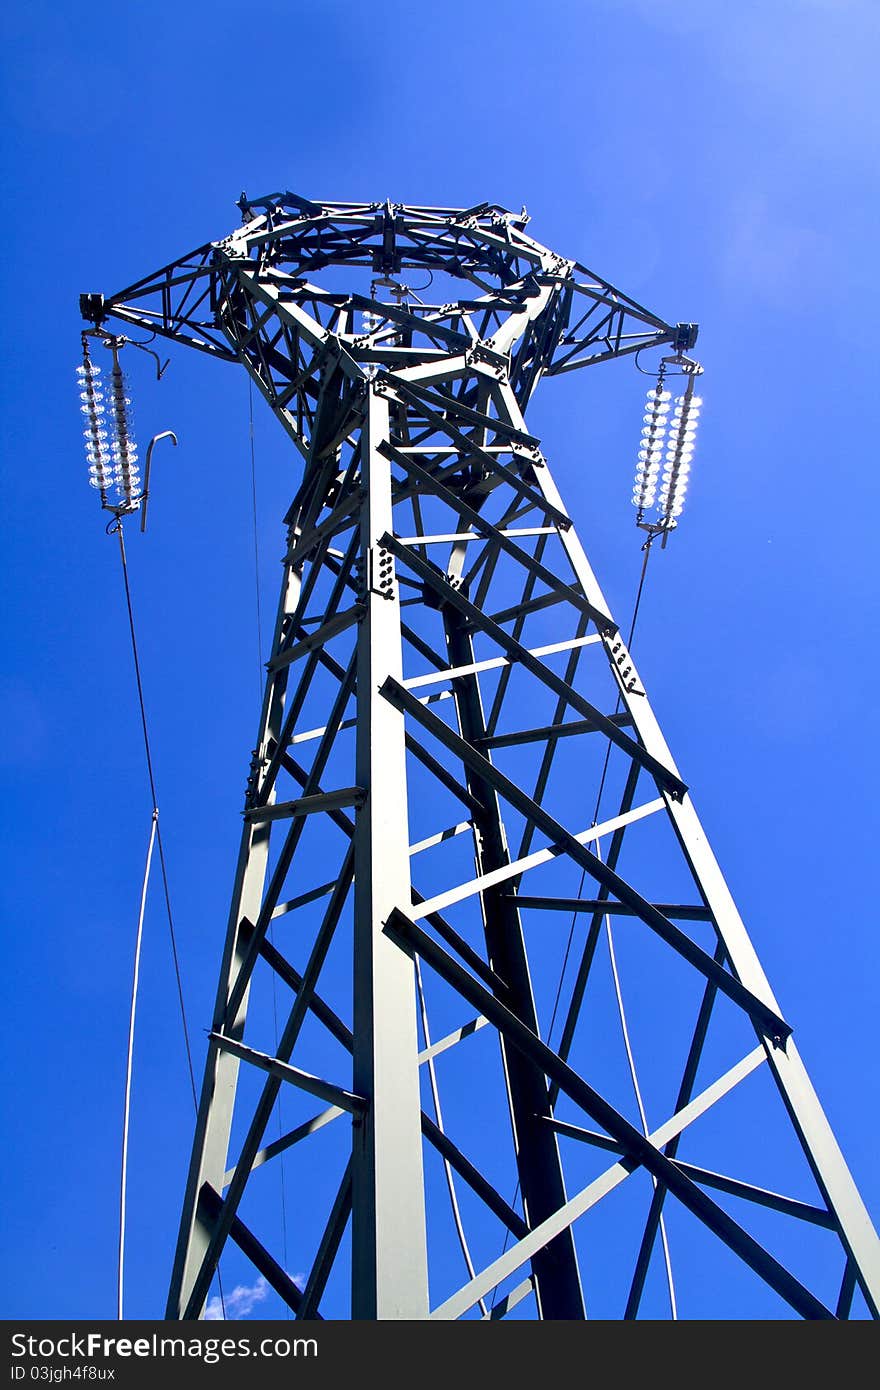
<point x="619" y="653"/>
<point x="380" y="572"/>
<point x="685" y="336"/>
<point x="259" y="762"/>
<point x="91" y="307"/>
<point x="482" y="355"/>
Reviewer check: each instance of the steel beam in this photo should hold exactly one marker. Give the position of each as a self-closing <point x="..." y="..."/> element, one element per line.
<point x="555" y="1269"/>
<point x="389" y="1251"/>
<point x="214" y="1119"/>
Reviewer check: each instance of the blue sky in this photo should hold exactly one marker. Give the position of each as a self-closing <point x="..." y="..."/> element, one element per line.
<point x="719" y="165"/>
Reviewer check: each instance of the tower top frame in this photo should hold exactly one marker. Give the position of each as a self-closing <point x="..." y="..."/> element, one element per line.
<point x="285" y="238"/>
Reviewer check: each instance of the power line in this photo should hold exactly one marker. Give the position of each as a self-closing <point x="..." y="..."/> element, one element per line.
<point x="612" y="956"/>
<point x="595" y="821"/>
<point x="568" y="945"/>
<point x="123" y="1176"/>
<point x="162" y="864"/>
<point x="156" y="828"/>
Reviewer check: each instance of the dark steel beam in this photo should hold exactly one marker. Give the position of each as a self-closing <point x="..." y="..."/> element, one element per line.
<point x="410" y="938"/>
<point x="210" y="1209"/>
<point x="762" y="1015"/>
<point x="555" y="1269"/>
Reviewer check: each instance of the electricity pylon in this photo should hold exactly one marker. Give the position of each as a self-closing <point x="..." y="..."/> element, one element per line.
<point x="447" y="690"/>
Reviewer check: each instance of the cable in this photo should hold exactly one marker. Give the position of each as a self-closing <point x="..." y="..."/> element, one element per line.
<point x="172" y="933"/>
<point x="595" y="821"/>
<point x="597" y="848"/>
<point x="435" y="1095"/>
<point x="670" y="1283"/>
<point x="117" y="527"/>
<point x="638" y="600"/>
<point x="123" y="1178"/>
<point x="678" y="359"/>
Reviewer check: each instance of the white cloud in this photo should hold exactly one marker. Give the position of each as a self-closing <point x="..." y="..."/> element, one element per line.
<point x="239" y="1303"/>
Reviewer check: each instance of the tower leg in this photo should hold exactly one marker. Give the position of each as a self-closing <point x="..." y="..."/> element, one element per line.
<point x="389" y="1258"/>
<point x="214" y="1120"/>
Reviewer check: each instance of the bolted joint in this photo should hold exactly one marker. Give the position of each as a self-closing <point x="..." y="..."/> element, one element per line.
<point x="334" y="490"/>
<point x="432" y="599"/>
<point x="258" y="763"/>
<point x="377" y="575"/>
<point x="360" y="574"/>
<point x="526" y="458"/>
<point x="484" y="355"/>
<point x="620" y="656"/>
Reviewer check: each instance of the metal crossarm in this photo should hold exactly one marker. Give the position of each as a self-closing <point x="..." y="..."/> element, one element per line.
<point x="448" y="698"/>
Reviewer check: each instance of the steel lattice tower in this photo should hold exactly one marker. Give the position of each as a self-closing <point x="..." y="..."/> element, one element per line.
<point x="445" y="683"/>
